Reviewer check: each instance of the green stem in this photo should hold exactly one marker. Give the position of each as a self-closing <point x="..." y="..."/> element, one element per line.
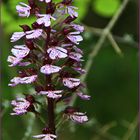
<point x="114" y="44"/>
<point x="131" y="129"/>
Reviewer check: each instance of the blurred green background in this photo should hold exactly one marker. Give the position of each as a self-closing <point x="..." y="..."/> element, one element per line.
<point x="112" y="80"/>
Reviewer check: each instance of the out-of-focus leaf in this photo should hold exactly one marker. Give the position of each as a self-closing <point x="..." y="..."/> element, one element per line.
<point x="13" y="3"/>
<point x="82" y="7"/>
<point x="5" y="18"/>
<point x="106" y="8"/>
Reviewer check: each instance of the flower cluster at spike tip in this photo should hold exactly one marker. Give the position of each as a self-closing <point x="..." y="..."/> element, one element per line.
<point x="59" y="61"/>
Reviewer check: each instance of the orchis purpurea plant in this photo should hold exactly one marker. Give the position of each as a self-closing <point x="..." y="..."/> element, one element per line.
<point x="52" y="68"/>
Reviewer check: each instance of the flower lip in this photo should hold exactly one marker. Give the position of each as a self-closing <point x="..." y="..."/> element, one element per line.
<point x="77" y="27"/>
<point x="49" y="69"/>
<point x="20" y="51"/>
<point x="45" y="136"/>
<point x="83" y="96"/>
<point x="25" y="80"/>
<point x="47" y="1"/>
<point x="23" y="9"/>
<point x="74" y="37"/>
<point x="33" y="34"/>
<point x="79" y="117"/>
<point x="44" y="19"/>
<point x="16" y="36"/>
<point x="52" y="93"/>
<point x="57" y="52"/>
<point x="71" y="82"/>
<point x="21" y="106"/>
<point x="75" y="56"/>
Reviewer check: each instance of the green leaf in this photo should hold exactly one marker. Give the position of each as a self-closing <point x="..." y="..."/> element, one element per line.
<point x="5" y="18"/>
<point x="82" y="7"/>
<point x="106" y="8"/>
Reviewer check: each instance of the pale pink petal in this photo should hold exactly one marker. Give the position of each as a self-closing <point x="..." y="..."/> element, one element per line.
<point x="28" y="80"/>
<point x="71" y="82"/>
<point x="75" y="56"/>
<point x="80" y="70"/>
<point x="20" y="106"/>
<point x="39" y="136"/>
<point x="78" y="27"/>
<point x="45" y="136"/>
<point x="83" y="96"/>
<point x="57" y="52"/>
<point x="52" y="94"/>
<point x="13" y="60"/>
<point x="16" y="36"/>
<point x="49" y="69"/>
<point x="23" y="9"/>
<point x="44" y="19"/>
<point x="47" y="1"/>
<point x="74" y="37"/>
<point x="34" y="34"/>
<point x="79" y="117"/>
<point x="24" y="64"/>
<point x="71" y="11"/>
<point x="20" y="51"/>
<point x="66" y="45"/>
<point x="25" y="80"/>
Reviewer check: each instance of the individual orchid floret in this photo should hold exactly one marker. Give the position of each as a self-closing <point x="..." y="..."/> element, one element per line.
<point x="47" y="1"/>
<point x="16" y="36"/>
<point x="25" y="80"/>
<point x="78" y="50"/>
<point x="71" y="11"/>
<point x="57" y="52"/>
<point x="44" y="19"/>
<point x="79" y="117"/>
<point x="83" y="96"/>
<point x="49" y="69"/>
<point x="75" y="37"/>
<point x="71" y="82"/>
<point x="80" y="70"/>
<point x="17" y="61"/>
<point x="75" y="56"/>
<point x="14" y="60"/>
<point x="66" y="9"/>
<point x="23" y="9"/>
<point x="20" y="51"/>
<point x="21" y="106"/>
<point x="75" y="116"/>
<point x="45" y="136"/>
<point x="29" y="34"/>
<point x="52" y="94"/>
<point x="77" y="27"/>
<point x="34" y="34"/>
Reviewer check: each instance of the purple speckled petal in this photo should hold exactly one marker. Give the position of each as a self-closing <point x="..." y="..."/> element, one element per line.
<point x="23" y="10"/>
<point x="71" y="82"/>
<point x="34" y="34"/>
<point x="49" y="69"/>
<point x="83" y="96"/>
